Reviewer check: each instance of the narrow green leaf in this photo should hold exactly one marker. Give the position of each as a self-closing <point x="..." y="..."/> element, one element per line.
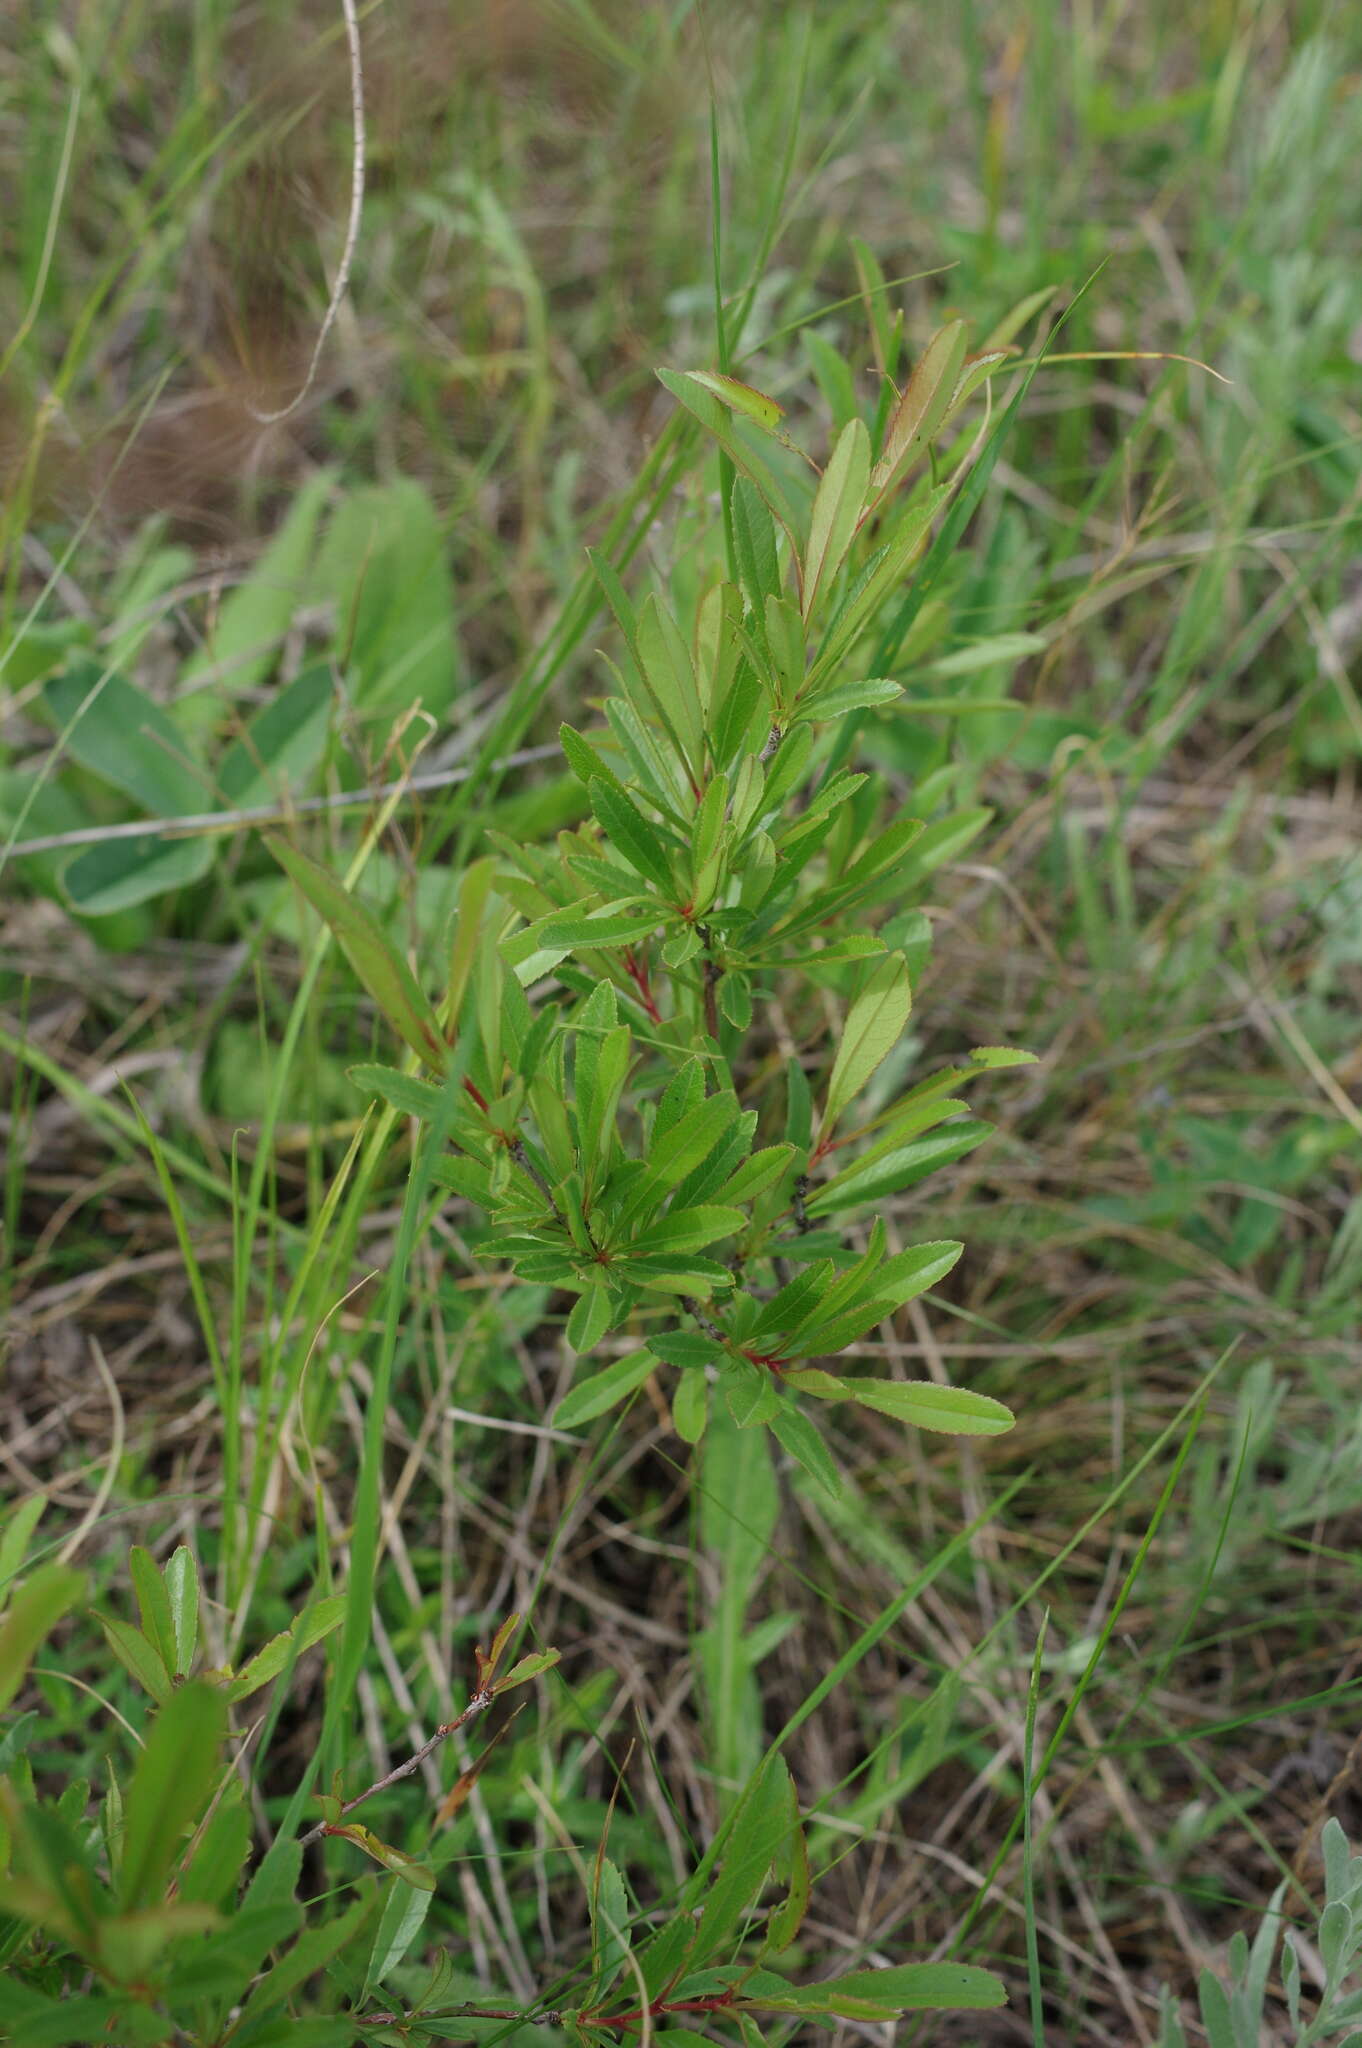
<point x="668" y="674"/>
<point x="17" y="1534"/>
<point x="566" y="931"/>
<point x="401" y="1920"/>
<point x="685" y="1347"/>
<point x="406" y="1094"/>
<point x="307" y="1628"/>
<point x="170" y="1789"/>
<point x="672" y="1157"/>
<point x="603" y="1390"/>
<point x="33" y="1612"/>
<point x="690" y="1230"/>
<point x="589" y="1321"/>
<point x="994" y="1056"/>
<point x="182" y="1588"/>
<point x="873" y="1028"/>
<point x="475" y="887"/>
<point x="691" y="392"/>
<point x="153" y="1604"/>
<point x="835" y="700"/>
<point x="802" y="1440"/>
<point x="743" y="398"/>
<point x="879" y="1994"/>
<point x="631" y="834"/>
<point x="836" y="511"/>
<point x="792" y="1867"/>
<point x="609" y="1908"/>
<point x="898" y="1169"/>
<point x="137" y="1656"/>
<point x="954" y="1411"/>
<point x="690" y="1406"/>
<point x="756" y="1174"/>
<point x="529" y="1667"/>
<point x="380" y="967"/>
<point x="923" y="406"/>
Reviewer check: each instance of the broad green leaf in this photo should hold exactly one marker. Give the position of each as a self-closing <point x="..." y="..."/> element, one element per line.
<point x="121" y="873"/>
<point x="36" y="1607"/>
<point x="282" y="743"/>
<point x="385" y="566"/>
<point x="752" y="1397"/>
<point x="249" y="628"/>
<point x="182" y="1587"/>
<point x="307" y="1628"/>
<point x="900" y="1279"/>
<point x="690" y="1406"/>
<point x="788" y="1308"/>
<point x="758" y="563"/>
<point x="137" y="1656"/>
<point x="873" y="1028"/>
<point x="954" y="1411"/>
<point x="125" y="738"/>
<point x="943" y="840"/>
<point x="603" y="1390"/>
<point x="836" y="511"/>
<point x="171" y="1785"/>
<point x="380" y="967"/>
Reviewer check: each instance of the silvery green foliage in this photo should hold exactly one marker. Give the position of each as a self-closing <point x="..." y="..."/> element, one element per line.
<point x="1234" y="2015"/>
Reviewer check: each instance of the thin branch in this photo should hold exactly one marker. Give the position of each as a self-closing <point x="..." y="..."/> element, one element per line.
<point x="477" y="1705"/>
<point x="271" y="814"/>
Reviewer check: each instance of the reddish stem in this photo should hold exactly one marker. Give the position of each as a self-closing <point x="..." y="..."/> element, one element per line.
<point x="638" y="974"/>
